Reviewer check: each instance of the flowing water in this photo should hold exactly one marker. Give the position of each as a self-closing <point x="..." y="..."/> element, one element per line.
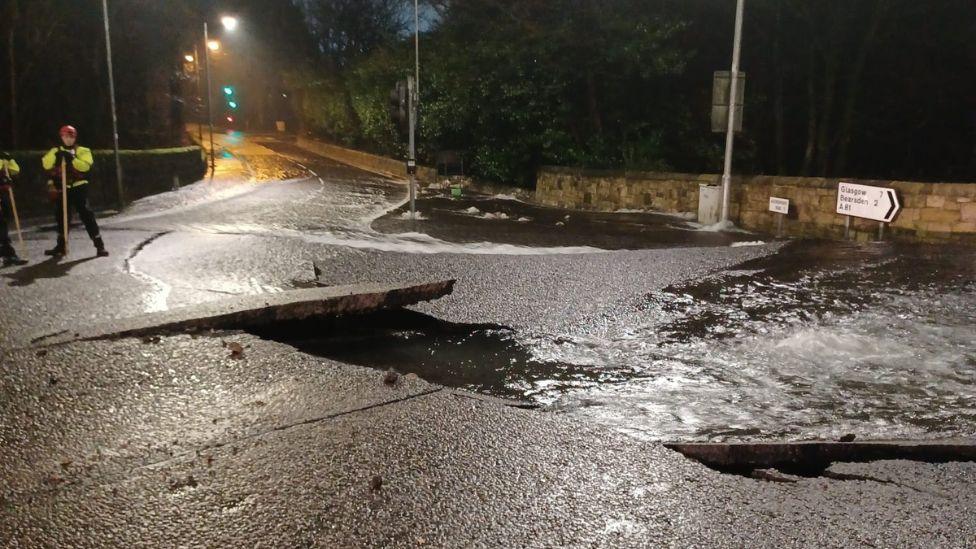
<point x="818" y="341"/>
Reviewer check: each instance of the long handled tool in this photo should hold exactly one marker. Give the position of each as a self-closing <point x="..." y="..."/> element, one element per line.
<point x="64" y="204"/>
<point x="13" y="206"/>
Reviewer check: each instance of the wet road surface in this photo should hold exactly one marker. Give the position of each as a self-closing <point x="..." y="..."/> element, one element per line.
<point x="820" y="340"/>
<point x="146" y="442"/>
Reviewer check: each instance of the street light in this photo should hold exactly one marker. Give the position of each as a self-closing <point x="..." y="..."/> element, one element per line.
<point x="733" y="99"/>
<point x="189" y="58"/>
<point x="230" y="24"/>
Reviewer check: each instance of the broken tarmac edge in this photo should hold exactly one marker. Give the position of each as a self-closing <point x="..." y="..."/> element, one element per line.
<point x="259" y="310"/>
<point x="813" y="457"/>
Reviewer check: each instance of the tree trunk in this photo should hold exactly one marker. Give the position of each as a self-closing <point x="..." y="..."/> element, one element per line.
<point x="854" y="85"/>
<point x="779" y="135"/>
<point x="593" y="104"/>
<point x="811" y="149"/>
<point x="826" y="114"/>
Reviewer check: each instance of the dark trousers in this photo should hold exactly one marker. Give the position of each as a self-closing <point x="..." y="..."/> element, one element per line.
<point x="6" y="212"/>
<point x="77" y="201"/>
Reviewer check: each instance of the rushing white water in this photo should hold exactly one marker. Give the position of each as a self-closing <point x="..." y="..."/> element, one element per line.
<point x="854" y="350"/>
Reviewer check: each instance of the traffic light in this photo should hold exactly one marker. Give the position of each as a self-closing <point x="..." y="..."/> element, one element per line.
<point x="399" y="108"/>
<point x="230" y="97"/>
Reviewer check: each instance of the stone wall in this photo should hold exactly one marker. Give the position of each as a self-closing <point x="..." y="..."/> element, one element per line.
<point x="372" y="163"/>
<point x="930" y="211"/>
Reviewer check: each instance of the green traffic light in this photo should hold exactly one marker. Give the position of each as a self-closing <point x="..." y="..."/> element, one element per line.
<point x="228" y="90"/>
<point x="233" y="104"/>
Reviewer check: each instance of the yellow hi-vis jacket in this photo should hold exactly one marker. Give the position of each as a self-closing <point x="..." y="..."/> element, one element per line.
<point x="77" y="171"/>
<point x="9" y="167"/>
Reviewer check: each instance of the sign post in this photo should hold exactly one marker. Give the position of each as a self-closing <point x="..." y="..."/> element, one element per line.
<point x="412" y="158"/>
<point x="877" y="203"/>
<point x="780" y="206"/>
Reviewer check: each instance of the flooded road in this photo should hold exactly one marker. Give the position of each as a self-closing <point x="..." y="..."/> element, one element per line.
<point x="817" y="341"/>
<point x="821" y="340"/>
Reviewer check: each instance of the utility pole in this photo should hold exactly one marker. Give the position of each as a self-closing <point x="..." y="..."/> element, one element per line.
<point x="206" y="55"/>
<point x="196" y="65"/>
<point x="416" y="43"/>
<point x="115" y="118"/>
<point x="413" y="85"/>
<point x="412" y="158"/>
<point x="733" y="99"/>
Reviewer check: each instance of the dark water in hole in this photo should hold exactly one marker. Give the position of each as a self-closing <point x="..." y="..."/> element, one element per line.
<point x="816" y="342"/>
<point x="487" y="359"/>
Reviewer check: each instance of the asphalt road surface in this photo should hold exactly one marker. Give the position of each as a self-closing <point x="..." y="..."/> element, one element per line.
<point x="623" y="329"/>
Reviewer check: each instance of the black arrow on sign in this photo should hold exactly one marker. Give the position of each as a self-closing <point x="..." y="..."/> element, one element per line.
<point x="894" y="205"/>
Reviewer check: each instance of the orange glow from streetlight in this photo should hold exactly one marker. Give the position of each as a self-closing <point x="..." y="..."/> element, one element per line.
<point x="213" y="45"/>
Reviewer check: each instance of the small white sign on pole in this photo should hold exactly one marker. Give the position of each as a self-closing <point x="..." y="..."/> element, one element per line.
<point x="877" y="203"/>
<point x="779" y="205"/>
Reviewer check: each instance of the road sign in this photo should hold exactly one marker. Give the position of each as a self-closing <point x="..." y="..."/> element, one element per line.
<point x="877" y="203"/>
<point x="721" y="89"/>
<point x="779" y="205"/>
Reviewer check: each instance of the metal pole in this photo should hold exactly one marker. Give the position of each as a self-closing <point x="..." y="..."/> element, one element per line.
<point x="412" y="159"/>
<point x="416" y="43"/>
<point x="196" y="66"/>
<point x="847" y="227"/>
<point x="206" y="54"/>
<point x="115" y="118"/>
<point x="733" y="99"/>
<point x="414" y="100"/>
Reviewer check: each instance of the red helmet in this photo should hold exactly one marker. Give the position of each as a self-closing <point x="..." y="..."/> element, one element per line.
<point x="69" y="130"/>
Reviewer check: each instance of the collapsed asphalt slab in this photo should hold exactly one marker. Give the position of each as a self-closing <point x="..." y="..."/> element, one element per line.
<point x="259" y="310"/>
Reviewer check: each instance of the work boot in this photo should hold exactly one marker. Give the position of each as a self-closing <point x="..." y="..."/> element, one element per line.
<point x="100" y="250"/>
<point x="9" y="255"/>
<point x="57" y="251"/>
<point x="13" y="260"/>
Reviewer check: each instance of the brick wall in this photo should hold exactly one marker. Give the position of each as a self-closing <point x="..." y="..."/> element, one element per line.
<point x="930" y="211"/>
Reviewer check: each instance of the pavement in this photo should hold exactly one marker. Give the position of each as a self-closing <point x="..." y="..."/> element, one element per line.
<point x="227" y="439"/>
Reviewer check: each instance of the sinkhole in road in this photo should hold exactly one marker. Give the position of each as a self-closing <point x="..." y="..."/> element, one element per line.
<point x="817" y="342"/>
<point x="482" y="358"/>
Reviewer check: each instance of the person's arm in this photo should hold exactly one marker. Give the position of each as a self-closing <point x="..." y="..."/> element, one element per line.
<point x="50" y="159"/>
<point x="83" y="160"/>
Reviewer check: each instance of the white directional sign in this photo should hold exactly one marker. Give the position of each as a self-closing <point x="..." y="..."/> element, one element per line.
<point x="779" y="205"/>
<point x="877" y="203"/>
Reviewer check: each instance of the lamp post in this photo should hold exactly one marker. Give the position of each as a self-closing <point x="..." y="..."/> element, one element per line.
<point x="115" y="118"/>
<point x="230" y="24"/>
<point x="733" y="99"/>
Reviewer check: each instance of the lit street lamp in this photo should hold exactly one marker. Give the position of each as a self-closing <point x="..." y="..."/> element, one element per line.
<point x="230" y="24"/>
